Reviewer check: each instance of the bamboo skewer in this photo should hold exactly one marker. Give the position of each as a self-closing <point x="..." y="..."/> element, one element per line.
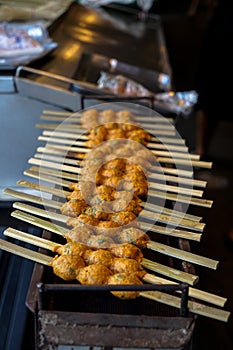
<point x="70" y="127"/>
<point x="181" y="158"/>
<point x="24" y="252"/>
<point x="81" y="143"/>
<point x="145" y="227"/>
<point x="193" y="292"/>
<point x="199" y="309"/>
<point x="62" y="116"/>
<point x="153" y="185"/>
<point x="194" y="307"/>
<point x="57" y="150"/>
<point x="79" y="114"/>
<point x="151" y="145"/>
<point x="156" y="176"/>
<point x="154" y="266"/>
<point x="159" y="194"/>
<point x="158" y="247"/>
<point x="152" y="216"/>
<point x="47" y="244"/>
<point x="62" y="193"/>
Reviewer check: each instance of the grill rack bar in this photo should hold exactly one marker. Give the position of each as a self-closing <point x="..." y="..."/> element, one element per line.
<point x="43" y="288"/>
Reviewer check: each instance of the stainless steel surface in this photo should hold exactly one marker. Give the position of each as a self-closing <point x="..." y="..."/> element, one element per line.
<point x="108" y="32"/>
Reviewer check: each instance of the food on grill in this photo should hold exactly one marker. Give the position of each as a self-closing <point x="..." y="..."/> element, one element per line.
<point x="126" y="250"/>
<point x="94" y="274"/>
<point x="67" y="266"/>
<point x="92" y="118"/>
<point x="100" y="256"/>
<point x="125" y="278"/>
<point x="77" y="261"/>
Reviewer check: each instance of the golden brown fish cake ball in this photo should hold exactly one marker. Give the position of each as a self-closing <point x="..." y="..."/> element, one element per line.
<point x="112" y="181"/>
<point x="141" y="188"/>
<point x="100" y="256"/>
<point x="123" y="218"/>
<point x="124" y="115"/>
<point x="73" y="207"/>
<point x="134" y="207"/>
<point x="126" y="250"/>
<point x="99" y="132"/>
<point x="67" y="266"/>
<point x="116" y="162"/>
<point x="108" y="229"/>
<point x="126" y="265"/>
<point x="97" y="211"/>
<point x="87" y="188"/>
<point x="89" y="114"/>
<point x="94" y="274"/>
<point x="124" y="152"/>
<point x="75" y="195"/>
<point x="139" y="133"/>
<point x="100" y="242"/>
<point x="71" y="248"/>
<point x="136" y="176"/>
<point x="135" y="236"/>
<point x="88" y="219"/>
<point x="79" y="234"/>
<point x="110" y="126"/>
<point x="124" y="278"/>
<point x="105" y="192"/>
<point x="107" y="116"/>
<point x="115" y="134"/>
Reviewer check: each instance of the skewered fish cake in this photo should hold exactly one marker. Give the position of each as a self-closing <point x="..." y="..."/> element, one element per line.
<point x="100" y="256"/>
<point x="125" y="265"/>
<point x="124" y="278"/>
<point x="67" y="266"/>
<point x="94" y="274"/>
<point x="100" y="242"/>
<point x="72" y="248"/>
<point x="133" y="235"/>
<point x="126" y="250"/>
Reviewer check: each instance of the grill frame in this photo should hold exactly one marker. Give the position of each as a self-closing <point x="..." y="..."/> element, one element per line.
<point x="162" y="326"/>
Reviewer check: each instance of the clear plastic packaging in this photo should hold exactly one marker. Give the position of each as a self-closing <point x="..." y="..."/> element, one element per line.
<point x="22" y="43"/>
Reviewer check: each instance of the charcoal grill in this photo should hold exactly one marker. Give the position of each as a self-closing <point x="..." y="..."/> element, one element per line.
<point x="72" y="316"/>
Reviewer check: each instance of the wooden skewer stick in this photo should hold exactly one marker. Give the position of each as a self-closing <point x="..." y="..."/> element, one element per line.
<point x="164" y="170"/>
<point x="161" y="136"/>
<point x="153" y="185"/>
<point x="145" y="227"/>
<point x="154" y="266"/>
<point x="63" y="193"/>
<point x="158" y="247"/>
<point x="166" y="213"/>
<point x="151" y="216"/>
<point x="24" y="252"/>
<point x="47" y="244"/>
<point x="150" y="145"/>
<point x="156" y="176"/>
<point x="159" y="194"/>
<point x="70" y="127"/>
<point x="196" y="308"/>
<point x="177" y="161"/>
<point x="79" y="114"/>
<point x="76" y="117"/>
<point x="171" y="154"/>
